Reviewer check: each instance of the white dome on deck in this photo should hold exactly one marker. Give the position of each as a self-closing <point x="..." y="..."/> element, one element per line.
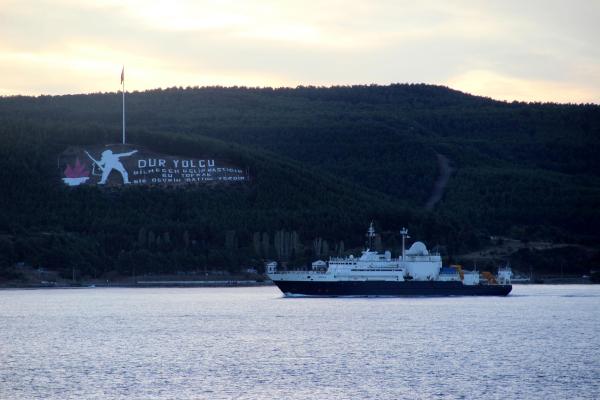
<point x="417" y="249"/>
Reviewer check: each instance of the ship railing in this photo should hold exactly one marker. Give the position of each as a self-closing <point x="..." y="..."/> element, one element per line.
<point x="430" y="257"/>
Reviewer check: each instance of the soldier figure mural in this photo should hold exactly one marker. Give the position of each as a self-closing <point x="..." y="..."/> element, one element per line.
<point x="135" y="165"/>
<point x="110" y="161"/>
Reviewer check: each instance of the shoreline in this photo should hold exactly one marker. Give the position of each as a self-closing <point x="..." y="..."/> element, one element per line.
<point x="141" y="284"/>
<point x="224" y="284"/>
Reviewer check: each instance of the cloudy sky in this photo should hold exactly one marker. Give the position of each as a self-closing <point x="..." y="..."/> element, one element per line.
<point x="532" y="50"/>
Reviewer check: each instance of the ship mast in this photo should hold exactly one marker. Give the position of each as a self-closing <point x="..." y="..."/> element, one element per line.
<point x="404" y="233"/>
<point x="370" y="235"/>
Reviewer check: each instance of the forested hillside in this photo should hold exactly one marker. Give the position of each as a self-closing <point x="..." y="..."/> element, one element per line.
<point x="323" y="161"/>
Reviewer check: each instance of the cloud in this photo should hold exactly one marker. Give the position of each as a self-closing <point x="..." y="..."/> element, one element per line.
<point x="69" y="46"/>
<point x="504" y="87"/>
<point x="93" y="69"/>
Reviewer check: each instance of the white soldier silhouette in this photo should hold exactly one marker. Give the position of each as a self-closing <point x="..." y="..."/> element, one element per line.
<point x="109" y="161"/>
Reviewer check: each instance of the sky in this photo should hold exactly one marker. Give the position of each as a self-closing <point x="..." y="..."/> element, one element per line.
<point x="526" y="50"/>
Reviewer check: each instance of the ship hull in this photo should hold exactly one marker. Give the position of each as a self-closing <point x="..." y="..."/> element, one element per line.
<point x="388" y="288"/>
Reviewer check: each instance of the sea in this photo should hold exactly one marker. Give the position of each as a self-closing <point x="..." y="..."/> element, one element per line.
<point x="540" y="342"/>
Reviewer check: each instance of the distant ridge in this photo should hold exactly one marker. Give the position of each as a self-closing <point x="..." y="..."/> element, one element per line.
<point x="326" y="161"/>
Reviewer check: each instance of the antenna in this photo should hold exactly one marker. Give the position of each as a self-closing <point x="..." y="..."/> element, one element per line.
<point x="404" y="233"/>
<point x="123" y="83"/>
<point x="371" y="234"/>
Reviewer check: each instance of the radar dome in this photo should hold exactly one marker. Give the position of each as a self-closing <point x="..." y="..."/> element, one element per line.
<point x="417" y="249"/>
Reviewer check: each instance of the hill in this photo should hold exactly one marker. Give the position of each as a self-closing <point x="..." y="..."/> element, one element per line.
<point x="325" y="162"/>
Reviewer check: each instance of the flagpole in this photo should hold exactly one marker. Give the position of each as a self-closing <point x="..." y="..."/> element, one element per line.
<point x="123" y="82"/>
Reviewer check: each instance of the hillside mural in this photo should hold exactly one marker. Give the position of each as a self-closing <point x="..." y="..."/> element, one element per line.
<point x="118" y="164"/>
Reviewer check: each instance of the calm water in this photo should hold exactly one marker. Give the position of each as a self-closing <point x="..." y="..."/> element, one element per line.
<point x="541" y="342"/>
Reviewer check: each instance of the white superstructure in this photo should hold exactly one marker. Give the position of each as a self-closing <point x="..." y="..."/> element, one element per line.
<point x="504" y="275"/>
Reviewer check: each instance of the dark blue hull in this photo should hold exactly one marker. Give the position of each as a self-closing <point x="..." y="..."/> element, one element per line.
<point x="389" y="288"/>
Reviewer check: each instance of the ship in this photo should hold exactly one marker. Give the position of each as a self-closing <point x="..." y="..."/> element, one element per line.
<point x="415" y="272"/>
